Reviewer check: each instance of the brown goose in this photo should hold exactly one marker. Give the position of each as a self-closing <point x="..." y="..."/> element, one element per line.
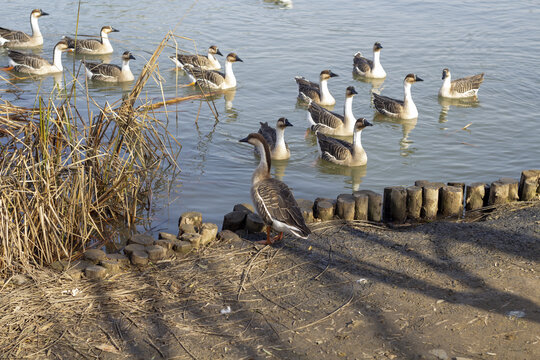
<point x="460" y="88"/>
<point x="275" y="138"/>
<point x="405" y="109"/>
<point x="319" y="93"/>
<point x="212" y="78"/>
<point x="208" y="62"/>
<point x="18" y="39"/>
<point x="272" y="198"/>
<point x="331" y="123"/>
<point x="342" y="152"/>
<point x="93" y="46"/>
<point x="367" y="68"/>
<point x="35" y="64"/>
<point x="110" y="72"/>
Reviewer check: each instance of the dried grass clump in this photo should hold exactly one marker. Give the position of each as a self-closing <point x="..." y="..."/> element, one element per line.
<point x="66" y="181"/>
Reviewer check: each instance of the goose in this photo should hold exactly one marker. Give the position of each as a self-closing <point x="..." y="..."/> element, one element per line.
<point x="367" y="68"/>
<point x="93" y="46"/>
<point x="110" y="72"/>
<point x="318" y="92"/>
<point x="215" y="79"/>
<point x="35" y="64"/>
<point x="279" y="150"/>
<point x="330" y="123"/>
<point x="342" y="152"/>
<point x="208" y="62"/>
<point x="396" y="108"/>
<point x="272" y="198"/>
<point x="18" y="39"/>
<point x="460" y="88"/>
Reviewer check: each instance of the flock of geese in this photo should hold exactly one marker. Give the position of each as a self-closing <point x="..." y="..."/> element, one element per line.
<point x="272" y="198"/>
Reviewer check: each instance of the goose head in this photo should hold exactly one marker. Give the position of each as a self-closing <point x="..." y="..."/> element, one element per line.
<point x="350" y="92"/>
<point x="232" y="57"/>
<point x="37" y="13"/>
<point x="214" y="50"/>
<point x="108" y="29"/>
<point x="445" y="73"/>
<point x="377" y="47"/>
<point x="126" y="56"/>
<point x="327" y="74"/>
<point x="62" y="45"/>
<point x="361" y="123"/>
<point x="411" y="79"/>
<point x="282" y="123"/>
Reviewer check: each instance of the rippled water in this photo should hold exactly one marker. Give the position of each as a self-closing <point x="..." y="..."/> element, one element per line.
<point x="278" y="42"/>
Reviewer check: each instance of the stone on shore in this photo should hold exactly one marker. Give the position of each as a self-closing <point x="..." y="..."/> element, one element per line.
<point x="156" y="252"/>
<point x="95" y="272"/>
<point x="190" y="217"/>
<point x="235" y="220"/>
<point x="166" y="236"/>
<point x="186" y="229"/>
<point x="121" y="259"/>
<point x="254" y="223"/>
<point x="128" y="250"/>
<point x="139" y="258"/>
<point x="94" y="255"/>
<point x="141" y="239"/>
<point x="208" y="233"/>
<point x="194" y="239"/>
<point x="112" y="266"/>
<point x="228" y="235"/>
<point x="248" y="208"/>
<point x="182" y="247"/>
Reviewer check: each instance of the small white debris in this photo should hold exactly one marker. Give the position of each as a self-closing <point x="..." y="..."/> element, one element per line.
<point x="515" y="314"/>
<point x="72" y="292"/>
<point x="440" y="301"/>
<point x="362" y="281"/>
<point x="227" y="310"/>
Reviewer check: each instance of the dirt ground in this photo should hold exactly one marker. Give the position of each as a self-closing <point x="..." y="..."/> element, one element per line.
<point x="442" y="290"/>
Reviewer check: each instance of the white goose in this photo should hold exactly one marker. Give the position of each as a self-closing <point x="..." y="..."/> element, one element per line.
<point x="367" y="68"/>
<point x="279" y="150"/>
<point x="208" y="62"/>
<point x="18" y="39"/>
<point x="214" y="79"/>
<point x="342" y="152"/>
<point x="93" y="46"/>
<point x="35" y="64"/>
<point x="460" y="88"/>
<point x="331" y="123"/>
<point x="272" y="198"/>
<point x="110" y="72"/>
<point x="405" y="109"/>
<point x="317" y="92"/>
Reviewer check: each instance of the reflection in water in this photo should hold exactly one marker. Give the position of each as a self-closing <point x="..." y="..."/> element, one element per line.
<point x="105" y="58"/>
<point x="376" y="84"/>
<point x="406" y="126"/>
<point x="470" y="102"/>
<point x="283" y="4"/>
<point x="303" y="105"/>
<point x="279" y="166"/>
<point x="355" y="173"/>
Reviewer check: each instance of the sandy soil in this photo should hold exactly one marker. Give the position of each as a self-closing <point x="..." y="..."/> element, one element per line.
<point x="441" y="290"/>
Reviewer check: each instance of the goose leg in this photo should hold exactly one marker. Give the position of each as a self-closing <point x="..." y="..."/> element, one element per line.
<point x="268" y="241"/>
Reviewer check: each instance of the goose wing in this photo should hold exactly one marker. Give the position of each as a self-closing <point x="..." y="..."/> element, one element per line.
<point x="323" y="117"/>
<point x="29" y="60"/>
<point x="363" y="64"/>
<point x="467" y="84"/>
<point x="275" y="201"/>
<point x="103" y="72"/>
<point x="269" y="134"/>
<point x="195" y="60"/>
<point x="12" y="35"/>
<point x="309" y="88"/>
<point x="212" y="76"/>
<point x="89" y="45"/>
<point x="338" y="149"/>
<point x="386" y="105"/>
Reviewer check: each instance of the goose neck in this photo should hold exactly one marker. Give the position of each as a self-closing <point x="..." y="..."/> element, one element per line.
<point x="35" y="26"/>
<point x="280" y="138"/>
<point x="357" y="140"/>
<point x="230" y="79"/>
<point x="325" y="93"/>
<point x="376" y="58"/>
<point x="348" y="114"/>
<point x="125" y="66"/>
<point x="57" y="58"/>
<point x="407" y="92"/>
<point x="263" y="170"/>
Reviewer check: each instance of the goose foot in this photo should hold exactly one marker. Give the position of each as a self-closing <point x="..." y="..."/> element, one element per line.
<point x="270" y="240"/>
<point x="8" y="68"/>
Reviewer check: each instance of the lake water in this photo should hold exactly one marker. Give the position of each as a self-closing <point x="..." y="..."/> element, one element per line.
<point x="278" y="42"/>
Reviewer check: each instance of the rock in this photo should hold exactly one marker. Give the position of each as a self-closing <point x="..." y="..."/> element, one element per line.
<point x="194" y="239"/>
<point x="80" y="265"/>
<point x="121" y="259"/>
<point x="186" y="229"/>
<point x="141" y="239"/>
<point x="94" y="255"/>
<point x="228" y="235"/>
<point x="166" y="236"/>
<point x="166" y="243"/>
<point x="74" y="273"/>
<point x="306" y="207"/>
<point x="439" y="354"/>
<point x="112" y="266"/>
<point x="139" y="258"/>
<point x="95" y="272"/>
<point x="19" y="279"/>
<point x="182" y="247"/>
<point x="254" y="223"/>
<point x="248" y="208"/>
<point x="208" y="233"/>
<point x="156" y="252"/>
<point x="76" y="269"/>
<point x="235" y="220"/>
<point x="60" y="265"/>
<point x="191" y="217"/>
<point x="134" y="247"/>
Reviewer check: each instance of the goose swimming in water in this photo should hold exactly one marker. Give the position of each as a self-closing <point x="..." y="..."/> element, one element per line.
<point x="342" y="152"/>
<point x="35" y="64"/>
<point x="331" y="123"/>
<point x="405" y="109"/>
<point x="275" y="138"/>
<point x="208" y="62"/>
<point x="212" y="78"/>
<point x="18" y="39"/>
<point x="272" y="198"/>
<point x="93" y="46"/>
<point x="317" y="92"/>
<point x="367" y="68"/>
<point x="460" y="88"/>
<point x="110" y="72"/>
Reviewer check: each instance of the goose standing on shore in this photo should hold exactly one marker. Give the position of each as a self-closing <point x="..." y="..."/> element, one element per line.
<point x="367" y="68"/>
<point x="460" y="88"/>
<point x="110" y="72"/>
<point x="275" y="138"/>
<point x="342" y="152"/>
<point x="405" y="109"/>
<point x="331" y="123"/>
<point x="272" y="198"/>
<point x="93" y="46"/>
<point x="317" y="92"/>
<point x="35" y="64"/>
<point x="208" y="62"/>
<point x="212" y="78"/>
<point x="18" y="39"/>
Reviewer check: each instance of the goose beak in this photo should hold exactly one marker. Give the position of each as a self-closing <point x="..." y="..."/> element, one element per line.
<point x="443" y="76"/>
<point x="287" y="123"/>
<point x="418" y="79"/>
<point x="244" y="140"/>
<point x="115" y="30"/>
<point x="219" y="53"/>
<point x="353" y="91"/>
<point x="43" y="13"/>
<point x="238" y="59"/>
<point x="131" y="57"/>
<point x="367" y="123"/>
<point x="333" y="74"/>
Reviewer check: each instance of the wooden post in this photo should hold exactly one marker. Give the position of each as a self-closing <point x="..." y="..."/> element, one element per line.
<point x="451" y="201"/>
<point x="475" y="196"/>
<point x="395" y="204"/>
<point x="421" y="183"/>
<point x="513" y="187"/>
<point x="361" y="205"/>
<point x="458" y="184"/>
<point x="414" y="202"/>
<point x="430" y="201"/>
<point x="532" y="177"/>
<point x="345" y="207"/>
<point x="324" y="209"/>
<point x="374" y="204"/>
<point x="498" y="193"/>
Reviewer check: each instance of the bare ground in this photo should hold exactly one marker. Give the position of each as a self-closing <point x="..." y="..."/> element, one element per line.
<point x="353" y="291"/>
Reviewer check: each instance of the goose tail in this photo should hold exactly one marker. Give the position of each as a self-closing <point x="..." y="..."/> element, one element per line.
<point x="175" y="60"/>
<point x="305" y="98"/>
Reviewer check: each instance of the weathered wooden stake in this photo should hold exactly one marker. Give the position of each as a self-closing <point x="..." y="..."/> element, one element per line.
<point x="345" y="207"/>
<point x="414" y="202"/>
<point x="374" y="204"/>
<point x="451" y="201"/>
<point x="324" y="209"/>
<point x="513" y="187"/>
<point x="361" y="205"/>
<point x="532" y="177"/>
<point x="395" y="204"/>
<point x="475" y="196"/>
<point x="498" y="193"/>
<point x="430" y="201"/>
